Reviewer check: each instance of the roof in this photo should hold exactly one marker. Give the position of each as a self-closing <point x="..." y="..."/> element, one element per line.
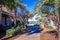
<point x="7" y="13"/>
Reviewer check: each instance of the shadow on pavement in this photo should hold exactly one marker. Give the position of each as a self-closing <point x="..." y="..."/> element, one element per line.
<point x="2" y="35"/>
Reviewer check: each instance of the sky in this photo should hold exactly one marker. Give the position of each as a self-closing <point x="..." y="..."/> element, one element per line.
<point x="29" y="4"/>
<point x="51" y="8"/>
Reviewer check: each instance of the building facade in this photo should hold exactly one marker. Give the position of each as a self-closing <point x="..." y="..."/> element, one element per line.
<point x="6" y="17"/>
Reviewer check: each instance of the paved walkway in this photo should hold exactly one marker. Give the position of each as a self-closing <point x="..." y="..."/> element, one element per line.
<point x="35" y="36"/>
<point x="32" y="33"/>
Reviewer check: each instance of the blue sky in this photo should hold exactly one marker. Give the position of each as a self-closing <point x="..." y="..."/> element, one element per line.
<point x="29" y="4"/>
<point x="51" y="8"/>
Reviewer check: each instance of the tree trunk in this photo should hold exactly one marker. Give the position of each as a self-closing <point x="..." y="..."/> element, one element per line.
<point x="0" y="12"/>
<point x="57" y="13"/>
<point x="56" y="8"/>
<point x="59" y="26"/>
<point x="14" y="16"/>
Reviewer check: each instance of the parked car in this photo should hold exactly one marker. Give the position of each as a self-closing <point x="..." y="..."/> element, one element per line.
<point x="31" y="23"/>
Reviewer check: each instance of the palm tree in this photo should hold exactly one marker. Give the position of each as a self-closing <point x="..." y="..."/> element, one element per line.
<point x="56" y="12"/>
<point x="11" y="4"/>
<point x="54" y="3"/>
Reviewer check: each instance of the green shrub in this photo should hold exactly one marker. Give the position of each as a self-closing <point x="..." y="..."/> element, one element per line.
<point x="48" y="26"/>
<point x="18" y="29"/>
<point x="10" y="32"/>
<point x="13" y="31"/>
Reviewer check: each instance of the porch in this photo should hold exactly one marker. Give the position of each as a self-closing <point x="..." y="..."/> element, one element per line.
<point x="6" y="18"/>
